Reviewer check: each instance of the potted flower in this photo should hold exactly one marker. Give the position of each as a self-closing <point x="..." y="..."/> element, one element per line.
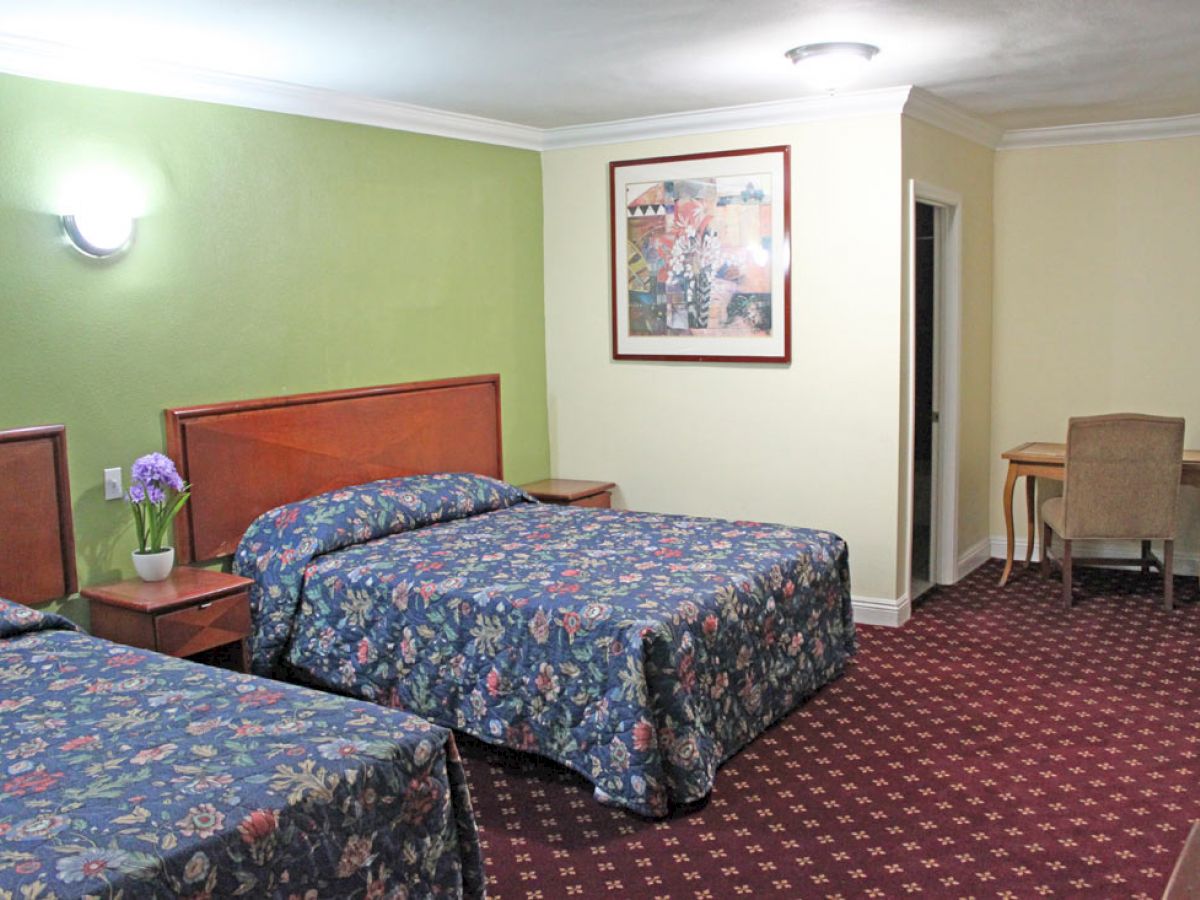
<point x="156" y="494"/>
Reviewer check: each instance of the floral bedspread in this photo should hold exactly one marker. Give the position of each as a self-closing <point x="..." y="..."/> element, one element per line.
<point x="129" y="774"/>
<point x="640" y="650"/>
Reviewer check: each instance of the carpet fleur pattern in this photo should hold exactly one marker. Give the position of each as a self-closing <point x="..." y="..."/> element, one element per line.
<point x="995" y="746"/>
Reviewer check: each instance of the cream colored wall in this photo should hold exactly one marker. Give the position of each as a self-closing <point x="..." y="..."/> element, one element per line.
<point x="943" y="160"/>
<point x="1097" y="295"/>
<point x="814" y="443"/>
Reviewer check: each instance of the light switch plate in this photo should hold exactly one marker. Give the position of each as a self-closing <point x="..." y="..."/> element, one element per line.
<point x="113" y="488"/>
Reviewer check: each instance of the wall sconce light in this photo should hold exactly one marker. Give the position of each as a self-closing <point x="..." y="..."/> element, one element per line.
<point x="832" y="65"/>
<point x="99" y="233"/>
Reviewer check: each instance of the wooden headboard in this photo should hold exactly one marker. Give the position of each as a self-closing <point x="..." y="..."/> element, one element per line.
<point x="249" y="456"/>
<point x="37" y="538"/>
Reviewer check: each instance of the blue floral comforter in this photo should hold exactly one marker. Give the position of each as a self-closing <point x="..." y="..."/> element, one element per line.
<point x="640" y="650"/>
<point x="129" y="774"/>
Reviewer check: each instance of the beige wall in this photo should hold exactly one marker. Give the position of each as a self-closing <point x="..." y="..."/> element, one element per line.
<point x="943" y="160"/>
<point x="814" y="443"/>
<point x="1097" y="294"/>
<point x="1080" y="294"/>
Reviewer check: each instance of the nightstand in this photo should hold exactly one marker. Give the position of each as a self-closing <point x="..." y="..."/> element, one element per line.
<point x="572" y="492"/>
<point x="196" y="613"/>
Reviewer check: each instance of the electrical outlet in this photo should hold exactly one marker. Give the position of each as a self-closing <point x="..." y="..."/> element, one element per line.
<point x="113" y="488"/>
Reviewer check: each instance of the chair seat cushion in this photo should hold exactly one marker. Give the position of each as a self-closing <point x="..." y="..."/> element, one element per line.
<point x="1052" y="513"/>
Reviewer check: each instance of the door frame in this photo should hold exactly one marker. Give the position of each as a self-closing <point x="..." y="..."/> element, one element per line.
<point x="948" y="213"/>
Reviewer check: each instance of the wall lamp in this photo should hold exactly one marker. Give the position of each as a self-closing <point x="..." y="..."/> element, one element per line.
<point x="99" y="233"/>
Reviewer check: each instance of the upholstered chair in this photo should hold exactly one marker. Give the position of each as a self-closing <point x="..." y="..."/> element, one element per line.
<point x="1122" y="483"/>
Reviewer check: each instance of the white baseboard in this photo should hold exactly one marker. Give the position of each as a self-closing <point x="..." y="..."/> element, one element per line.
<point x="878" y="611"/>
<point x="1185" y="563"/>
<point x="894" y="613"/>
<point x="975" y="556"/>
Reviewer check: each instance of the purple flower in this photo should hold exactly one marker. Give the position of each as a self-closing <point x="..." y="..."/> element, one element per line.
<point x="156" y="494"/>
<point x="156" y="470"/>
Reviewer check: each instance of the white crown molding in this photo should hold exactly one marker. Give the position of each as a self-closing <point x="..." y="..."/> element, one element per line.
<point x="933" y="110"/>
<point x="59" y="62"/>
<point x="730" y="118"/>
<point x="1102" y="133"/>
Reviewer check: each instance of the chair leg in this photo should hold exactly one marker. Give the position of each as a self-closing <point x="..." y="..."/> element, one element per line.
<point x="1168" y="570"/>
<point x="1066" y="573"/>
<point x="1046" y="532"/>
<point x="1145" y="557"/>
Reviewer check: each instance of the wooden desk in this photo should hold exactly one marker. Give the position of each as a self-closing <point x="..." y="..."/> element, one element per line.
<point x="1045" y="460"/>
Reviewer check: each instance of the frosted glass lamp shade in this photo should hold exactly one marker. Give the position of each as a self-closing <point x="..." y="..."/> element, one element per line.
<point x="832" y="65"/>
<point x="99" y="233"/>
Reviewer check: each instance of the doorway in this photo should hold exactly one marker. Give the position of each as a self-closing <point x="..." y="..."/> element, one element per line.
<point x="933" y="369"/>
<point x="924" y="412"/>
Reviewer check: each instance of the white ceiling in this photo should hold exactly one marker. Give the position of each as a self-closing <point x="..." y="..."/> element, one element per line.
<point x="551" y="63"/>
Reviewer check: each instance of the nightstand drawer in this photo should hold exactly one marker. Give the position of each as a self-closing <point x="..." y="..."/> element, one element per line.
<point x="202" y="627"/>
<point x="603" y="500"/>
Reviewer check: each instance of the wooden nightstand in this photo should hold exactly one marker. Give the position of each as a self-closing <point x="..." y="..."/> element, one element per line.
<point x="196" y="613"/>
<point x="571" y="492"/>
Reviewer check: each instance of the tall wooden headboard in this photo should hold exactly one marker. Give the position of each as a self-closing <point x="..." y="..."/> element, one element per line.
<point x="249" y="456"/>
<point x="37" y="538"/>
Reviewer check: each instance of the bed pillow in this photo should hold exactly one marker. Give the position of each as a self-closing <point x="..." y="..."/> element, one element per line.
<point x="278" y="546"/>
<point x="16" y="619"/>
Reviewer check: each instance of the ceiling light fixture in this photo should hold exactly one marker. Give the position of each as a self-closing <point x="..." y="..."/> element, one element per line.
<point x="832" y="65"/>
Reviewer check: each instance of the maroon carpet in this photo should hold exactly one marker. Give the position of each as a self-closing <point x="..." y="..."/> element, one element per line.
<point x="993" y="747"/>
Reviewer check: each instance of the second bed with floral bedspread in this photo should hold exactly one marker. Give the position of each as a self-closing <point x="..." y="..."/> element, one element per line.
<point x="129" y="774"/>
<point x="640" y="650"/>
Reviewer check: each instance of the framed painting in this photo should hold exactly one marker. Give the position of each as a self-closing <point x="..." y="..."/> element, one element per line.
<point x="701" y="257"/>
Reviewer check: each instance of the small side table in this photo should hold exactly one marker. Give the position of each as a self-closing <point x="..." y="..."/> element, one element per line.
<point x="196" y="614"/>
<point x="572" y="492"/>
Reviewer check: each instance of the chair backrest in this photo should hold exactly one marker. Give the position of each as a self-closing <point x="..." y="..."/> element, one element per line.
<point x="1122" y="478"/>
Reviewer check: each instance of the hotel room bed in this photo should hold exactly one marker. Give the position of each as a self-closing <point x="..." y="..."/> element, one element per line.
<point x="640" y="650"/>
<point x="124" y="773"/>
<point x="133" y="774"/>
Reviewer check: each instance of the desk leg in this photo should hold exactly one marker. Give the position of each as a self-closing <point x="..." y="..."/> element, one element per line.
<point x="1030" y="507"/>
<point x="1009" y="483"/>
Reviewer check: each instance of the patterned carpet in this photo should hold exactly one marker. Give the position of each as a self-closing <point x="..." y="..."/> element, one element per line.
<point x="993" y="747"/>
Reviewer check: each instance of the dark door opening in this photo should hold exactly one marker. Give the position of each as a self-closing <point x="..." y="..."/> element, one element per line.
<point x="924" y="415"/>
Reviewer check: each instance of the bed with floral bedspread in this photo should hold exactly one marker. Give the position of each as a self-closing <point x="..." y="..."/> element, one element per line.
<point x="640" y="650"/>
<point x="129" y="774"/>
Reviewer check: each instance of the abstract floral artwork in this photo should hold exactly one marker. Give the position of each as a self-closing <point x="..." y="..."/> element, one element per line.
<point x="700" y="257"/>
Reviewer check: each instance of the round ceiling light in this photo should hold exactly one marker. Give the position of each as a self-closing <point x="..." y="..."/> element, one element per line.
<point x="832" y="65"/>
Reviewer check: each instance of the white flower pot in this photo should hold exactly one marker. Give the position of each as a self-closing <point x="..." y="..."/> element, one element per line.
<point x="154" y="566"/>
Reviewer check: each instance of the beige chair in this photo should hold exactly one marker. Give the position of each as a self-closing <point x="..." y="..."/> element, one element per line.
<point x="1122" y="483"/>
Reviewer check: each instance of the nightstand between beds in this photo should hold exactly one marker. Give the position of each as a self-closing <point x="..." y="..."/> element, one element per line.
<point x="195" y="614"/>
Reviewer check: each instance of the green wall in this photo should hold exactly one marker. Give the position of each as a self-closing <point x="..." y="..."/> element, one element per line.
<point x="275" y="254"/>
